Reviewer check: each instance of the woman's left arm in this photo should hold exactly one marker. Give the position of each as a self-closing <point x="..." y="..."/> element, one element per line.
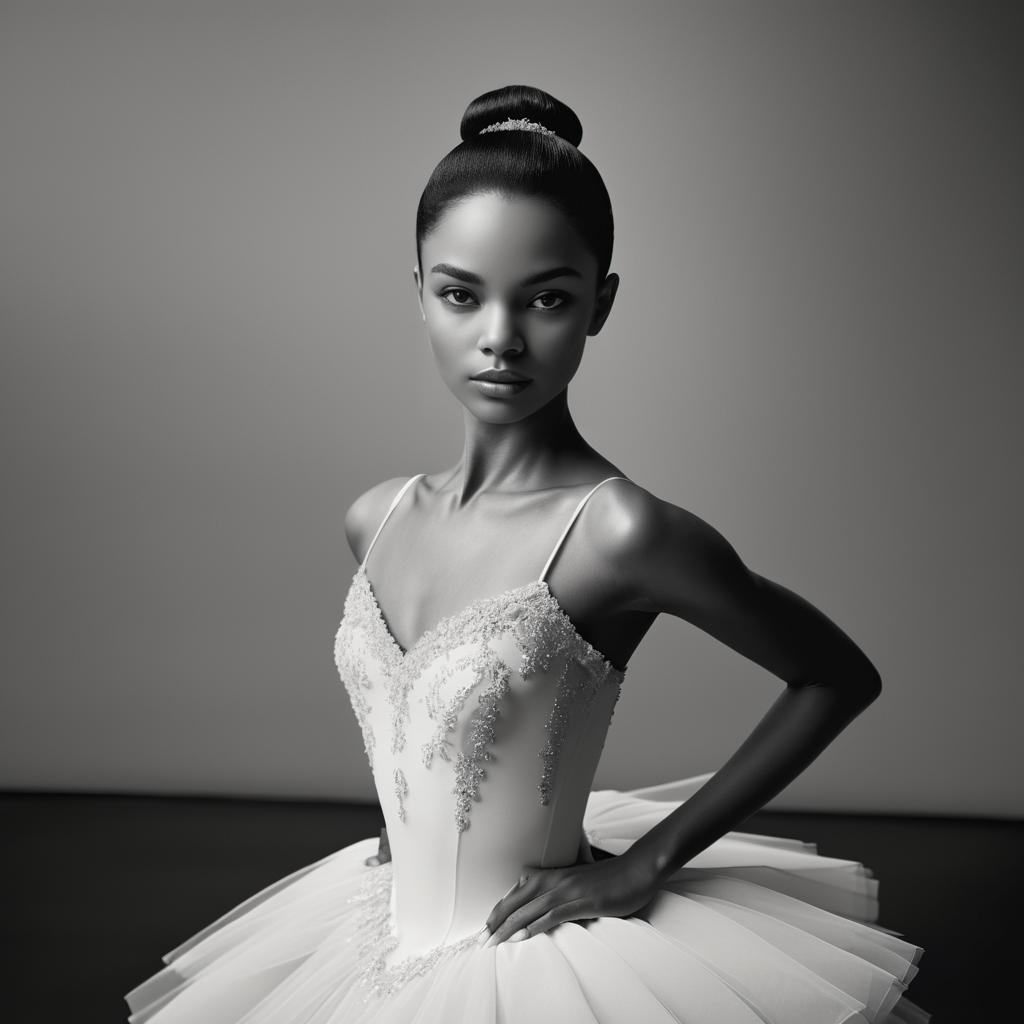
<point x="677" y="563"/>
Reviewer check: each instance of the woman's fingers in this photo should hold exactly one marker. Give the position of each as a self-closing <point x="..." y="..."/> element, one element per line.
<point x="520" y="893"/>
<point x="539" y="914"/>
<point x="515" y="918"/>
<point x="614" y="887"/>
<point x="571" y="911"/>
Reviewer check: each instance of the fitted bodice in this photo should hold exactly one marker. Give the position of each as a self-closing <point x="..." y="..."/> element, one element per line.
<point x="483" y="739"/>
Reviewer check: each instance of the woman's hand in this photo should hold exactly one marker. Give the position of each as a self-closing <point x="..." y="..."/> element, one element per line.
<point x="383" y="854"/>
<point x="544" y="897"/>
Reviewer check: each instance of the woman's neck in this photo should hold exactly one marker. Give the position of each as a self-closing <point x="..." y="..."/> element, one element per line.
<point x="528" y="455"/>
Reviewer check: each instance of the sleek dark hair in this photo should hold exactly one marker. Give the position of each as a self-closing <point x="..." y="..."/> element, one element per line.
<point x="523" y="163"/>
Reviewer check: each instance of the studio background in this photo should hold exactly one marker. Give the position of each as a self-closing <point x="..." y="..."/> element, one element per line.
<point x="211" y="347"/>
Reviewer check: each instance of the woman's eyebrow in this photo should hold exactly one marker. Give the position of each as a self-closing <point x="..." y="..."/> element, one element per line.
<point x="547" y="275"/>
<point x="457" y="272"/>
<point x="470" y="278"/>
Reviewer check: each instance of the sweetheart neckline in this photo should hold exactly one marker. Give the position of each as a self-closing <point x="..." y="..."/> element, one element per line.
<point x="405" y="656"/>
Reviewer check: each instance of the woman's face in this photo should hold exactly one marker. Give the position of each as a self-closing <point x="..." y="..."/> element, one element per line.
<point x="508" y="284"/>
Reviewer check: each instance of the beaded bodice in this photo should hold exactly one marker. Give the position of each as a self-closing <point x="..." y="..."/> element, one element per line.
<point x="483" y="739"/>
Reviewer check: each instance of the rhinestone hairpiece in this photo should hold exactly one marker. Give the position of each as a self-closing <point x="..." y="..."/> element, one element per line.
<point x="517" y="125"/>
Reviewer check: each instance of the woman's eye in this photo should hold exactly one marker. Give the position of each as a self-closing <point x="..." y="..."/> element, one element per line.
<point x="462" y="298"/>
<point x="455" y="297"/>
<point x="550" y="300"/>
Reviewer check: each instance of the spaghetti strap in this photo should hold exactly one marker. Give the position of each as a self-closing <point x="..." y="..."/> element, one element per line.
<point x="394" y="502"/>
<point x="568" y="525"/>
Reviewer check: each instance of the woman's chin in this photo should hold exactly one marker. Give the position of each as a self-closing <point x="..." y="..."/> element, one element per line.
<point x="497" y="414"/>
<point x="499" y="409"/>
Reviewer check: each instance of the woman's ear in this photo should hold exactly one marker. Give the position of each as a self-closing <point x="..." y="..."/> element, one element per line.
<point x="419" y="290"/>
<point x="603" y="305"/>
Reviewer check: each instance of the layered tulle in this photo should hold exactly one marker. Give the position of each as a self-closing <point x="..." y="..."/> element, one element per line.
<point x="755" y="929"/>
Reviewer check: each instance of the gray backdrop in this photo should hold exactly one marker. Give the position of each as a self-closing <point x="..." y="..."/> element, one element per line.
<point x="211" y="346"/>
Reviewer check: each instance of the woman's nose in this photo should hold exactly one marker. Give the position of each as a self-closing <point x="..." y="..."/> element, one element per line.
<point x="500" y="334"/>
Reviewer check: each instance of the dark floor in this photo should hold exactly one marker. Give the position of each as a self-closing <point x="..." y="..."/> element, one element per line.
<point x="97" y="888"/>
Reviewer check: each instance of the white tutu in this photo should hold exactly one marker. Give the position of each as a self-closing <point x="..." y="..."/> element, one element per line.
<point x="755" y="929"/>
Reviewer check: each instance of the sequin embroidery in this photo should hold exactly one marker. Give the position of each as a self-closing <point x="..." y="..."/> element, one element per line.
<point x="447" y="720"/>
<point x="352" y="669"/>
<point x="577" y="687"/>
<point x="401" y="792"/>
<point x="543" y="634"/>
<point x="469" y="769"/>
<point x="378" y="939"/>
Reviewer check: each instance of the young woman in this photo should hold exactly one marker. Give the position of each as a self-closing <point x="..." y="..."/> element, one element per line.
<point x="483" y="663"/>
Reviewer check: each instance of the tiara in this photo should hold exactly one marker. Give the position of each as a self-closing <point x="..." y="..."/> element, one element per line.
<point x="513" y="125"/>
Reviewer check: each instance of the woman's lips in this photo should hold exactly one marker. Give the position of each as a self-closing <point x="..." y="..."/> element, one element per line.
<point x="501" y="376"/>
<point x="500" y="389"/>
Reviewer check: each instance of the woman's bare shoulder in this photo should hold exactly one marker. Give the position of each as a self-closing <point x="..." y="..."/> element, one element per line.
<point x="642" y="537"/>
<point x="632" y="518"/>
<point x="365" y="514"/>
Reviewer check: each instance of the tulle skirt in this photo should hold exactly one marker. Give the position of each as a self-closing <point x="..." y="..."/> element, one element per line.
<point x="754" y="930"/>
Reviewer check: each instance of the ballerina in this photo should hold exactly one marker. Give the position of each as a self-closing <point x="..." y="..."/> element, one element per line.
<point x="504" y="889"/>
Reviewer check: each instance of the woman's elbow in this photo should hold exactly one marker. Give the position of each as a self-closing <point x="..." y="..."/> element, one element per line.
<point x="870" y="687"/>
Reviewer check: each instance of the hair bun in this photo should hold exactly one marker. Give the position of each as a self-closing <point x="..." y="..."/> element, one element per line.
<point x="516" y="101"/>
